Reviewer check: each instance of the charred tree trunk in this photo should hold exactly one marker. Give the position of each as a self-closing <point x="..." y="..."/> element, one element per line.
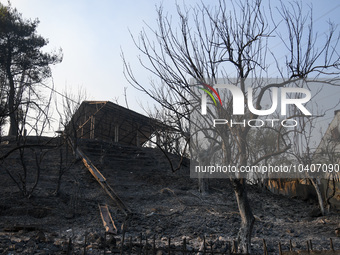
<point x="203" y="185"/>
<point x="13" y="128"/>
<point x="247" y="217"/>
<point x="203" y="177"/>
<point x="318" y="192"/>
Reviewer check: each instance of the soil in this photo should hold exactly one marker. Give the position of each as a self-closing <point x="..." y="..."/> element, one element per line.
<point x="164" y="204"/>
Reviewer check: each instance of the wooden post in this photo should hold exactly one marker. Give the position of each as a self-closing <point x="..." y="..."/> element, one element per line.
<point x="280" y="249"/>
<point x="234" y="250"/>
<point x="307" y="246"/>
<point x="69" y="246"/>
<point x="85" y="243"/>
<point x="92" y="127"/>
<point x="184" y="246"/>
<point x="169" y="242"/>
<point x="331" y="244"/>
<point x="265" y="251"/>
<point x="130" y="249"/>
<point x="290" y="245"/>
<point x="204" y="247"/>
<point x="116" y="140"/>
<point x="137" y="139"/>
<point x="140" y="244"/>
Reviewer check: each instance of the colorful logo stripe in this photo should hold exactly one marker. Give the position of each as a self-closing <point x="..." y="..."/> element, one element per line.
<point x="212" y="89"/>
<point x="210" y="95"/>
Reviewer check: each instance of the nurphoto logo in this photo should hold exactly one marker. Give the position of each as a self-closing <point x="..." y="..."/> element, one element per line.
<point x="279" y="96"/>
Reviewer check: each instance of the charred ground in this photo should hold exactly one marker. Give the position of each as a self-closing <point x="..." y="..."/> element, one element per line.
<point x="163" y="203"/>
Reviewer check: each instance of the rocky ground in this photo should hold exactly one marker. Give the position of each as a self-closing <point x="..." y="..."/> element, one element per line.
<point x="163" y="204"/>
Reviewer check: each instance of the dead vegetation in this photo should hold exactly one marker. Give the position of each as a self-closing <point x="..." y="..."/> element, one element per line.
<point x="163" y="204"/>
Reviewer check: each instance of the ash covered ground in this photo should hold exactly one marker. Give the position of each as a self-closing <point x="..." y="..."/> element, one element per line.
<point x="163" y="203"/>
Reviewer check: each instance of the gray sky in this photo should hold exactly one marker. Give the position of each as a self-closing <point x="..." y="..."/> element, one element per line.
<point x="93" y="33"/>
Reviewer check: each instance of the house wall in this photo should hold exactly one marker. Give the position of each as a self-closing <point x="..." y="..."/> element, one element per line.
<point x="292" y="188"/>
<point x="306" y="191"/>
<point x="111" y="122"/>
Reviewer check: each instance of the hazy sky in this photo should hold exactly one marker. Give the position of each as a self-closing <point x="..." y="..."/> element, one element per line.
<point x="93" y="33"/>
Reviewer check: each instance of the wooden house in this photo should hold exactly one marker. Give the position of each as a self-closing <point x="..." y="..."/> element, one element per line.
<point x="104" y="120"/>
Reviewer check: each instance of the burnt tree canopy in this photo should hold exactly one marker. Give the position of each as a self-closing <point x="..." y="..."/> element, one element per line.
<point x="23" y="64"/>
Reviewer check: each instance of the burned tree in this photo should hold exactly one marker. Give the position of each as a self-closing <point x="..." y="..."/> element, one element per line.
<point x="24" y="104"/>
<point x="222" y="45"/>
<point x="23" y="64"/>
<point x="3" y="105"/>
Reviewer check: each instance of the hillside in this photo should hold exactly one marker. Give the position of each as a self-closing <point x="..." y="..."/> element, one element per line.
<point x="163" y="203"/>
